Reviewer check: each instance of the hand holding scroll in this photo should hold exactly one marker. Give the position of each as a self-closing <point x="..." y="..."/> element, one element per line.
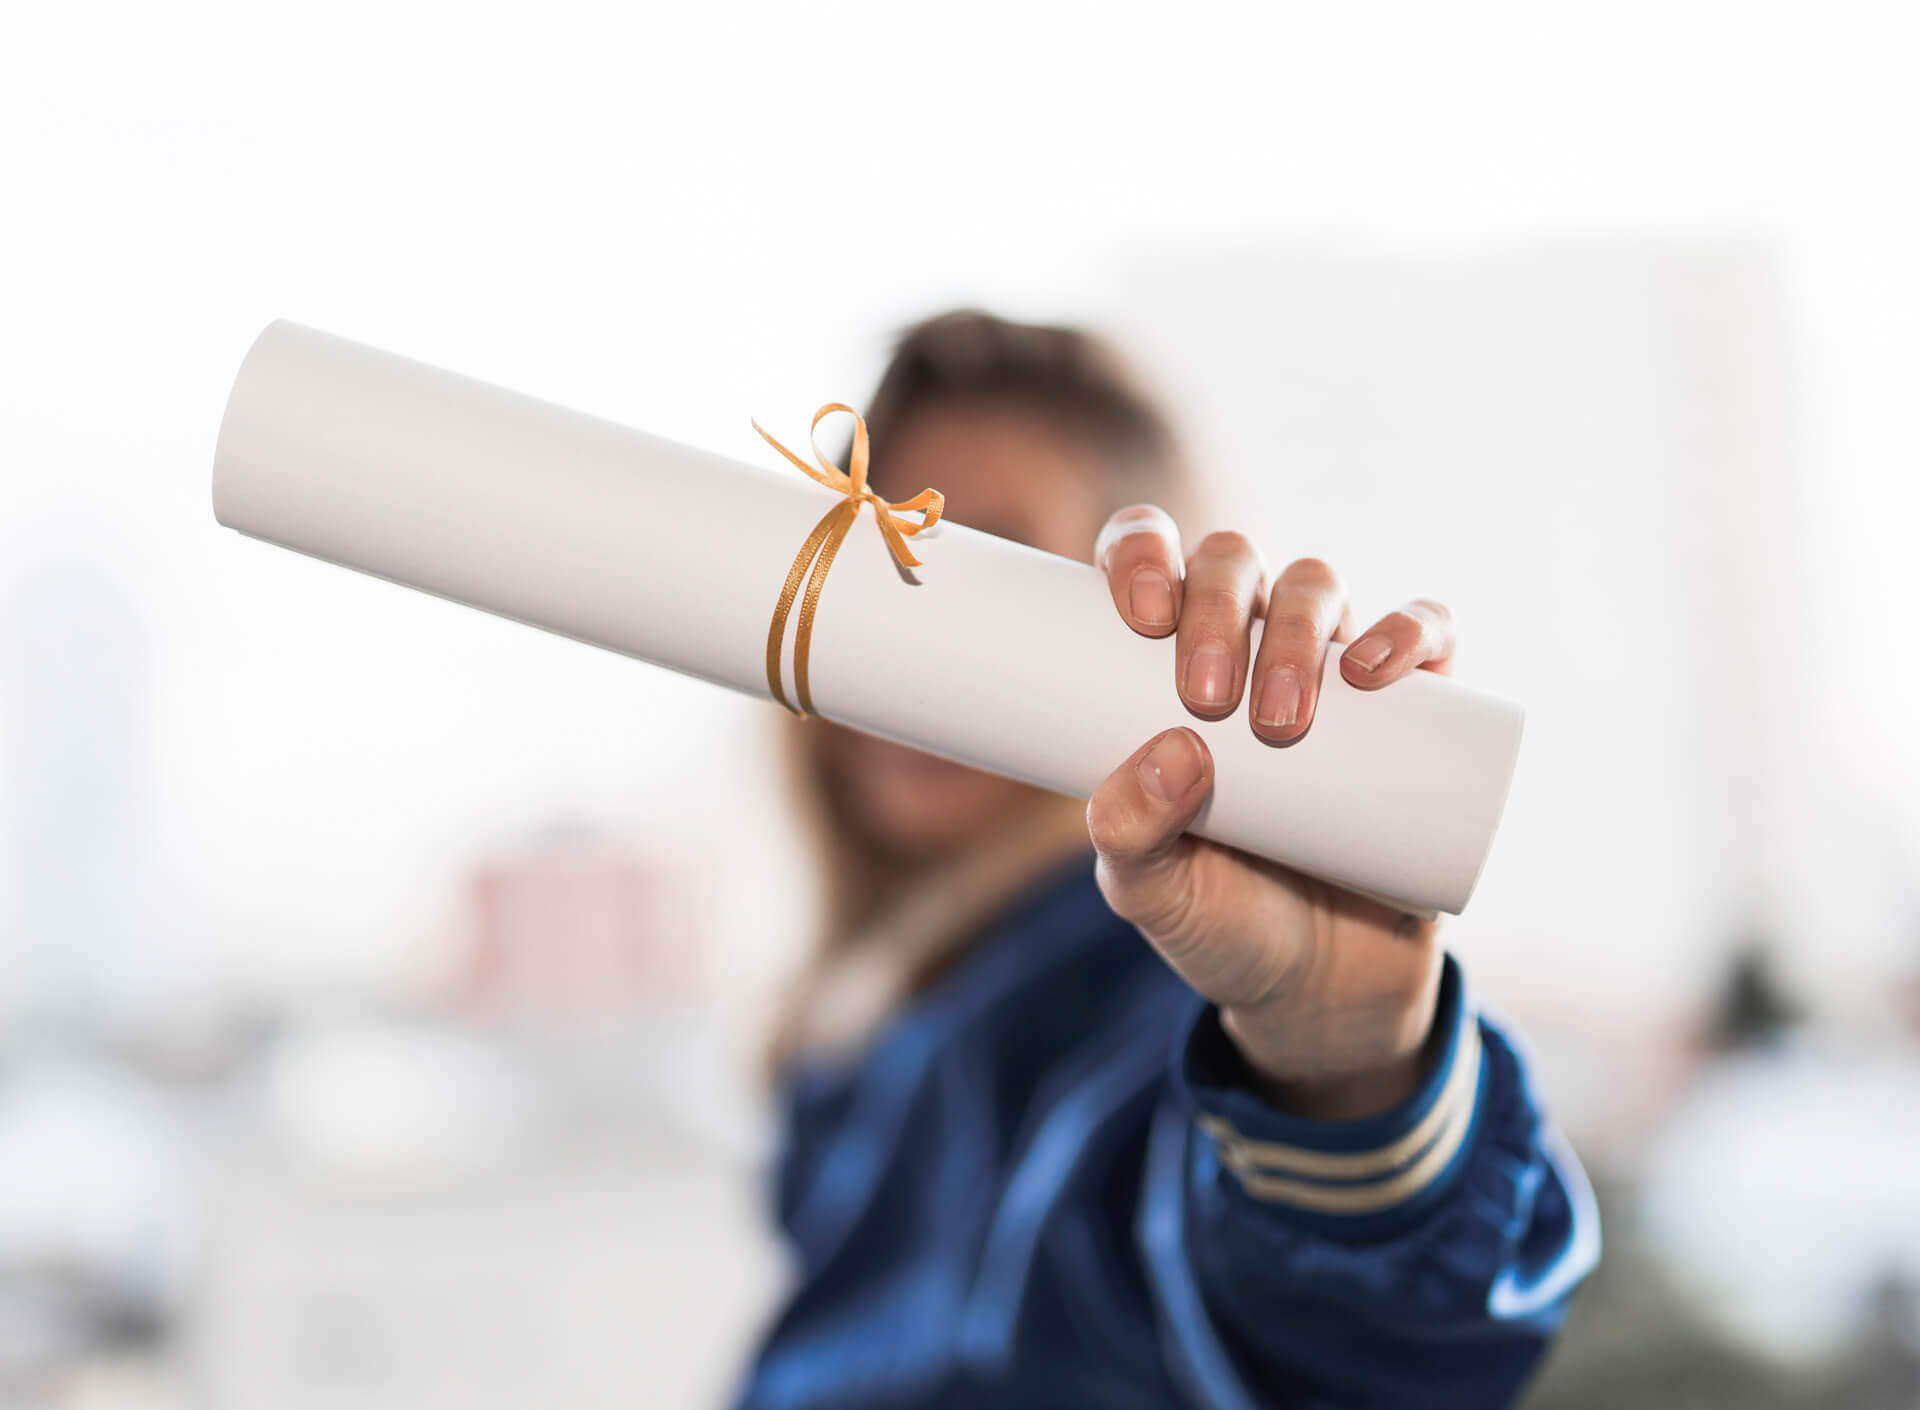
<point x="1330" y="996"/>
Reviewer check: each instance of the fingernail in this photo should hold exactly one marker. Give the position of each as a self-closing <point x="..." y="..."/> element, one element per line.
<point x="1277" y="705"/>
<point x="1210" y="677"/>
<point x="1370" y="652"/>
<point x="1170" y="769"/>
<point x="1150" y="596"/>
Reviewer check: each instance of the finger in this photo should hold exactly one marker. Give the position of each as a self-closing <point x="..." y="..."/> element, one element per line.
<point x="1139" y="547"/>
<point x="1306" y="609"/>
<point x="1419" y="635"/>
<point x="1225" y="578"/>
<point x="1138" y="819"/>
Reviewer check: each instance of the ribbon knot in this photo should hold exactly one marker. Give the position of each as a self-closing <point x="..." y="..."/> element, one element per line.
<point x="817" y="553"/>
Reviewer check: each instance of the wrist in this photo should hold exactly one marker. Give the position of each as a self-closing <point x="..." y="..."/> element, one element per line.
<point x="1345" y="1071"/>
<point x="1303" y="1143"/>
<point x="1348" y="1094"/>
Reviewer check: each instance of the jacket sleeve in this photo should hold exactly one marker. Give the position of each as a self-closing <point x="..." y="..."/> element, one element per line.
<point x="1421" y="1257"/>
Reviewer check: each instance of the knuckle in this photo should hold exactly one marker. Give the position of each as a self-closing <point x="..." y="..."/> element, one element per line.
<point x="1115" y="829"/>
<point x="1226" y="544"/>
<point x="1158" y="903"/>
<point x="1137" y="546"/>
<point x="1139" y="533"/>
<point x="1404" y="626"/>
<point x="1291" y="626"/>
<point x="1216" y="605"/>
<point x="1435" y="623"/>
<point x="1313" y="573"/>
<point x="1100" y="823"/>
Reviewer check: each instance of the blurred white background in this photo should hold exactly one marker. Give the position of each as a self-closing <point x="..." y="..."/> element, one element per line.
<point x="376" y="1006"/>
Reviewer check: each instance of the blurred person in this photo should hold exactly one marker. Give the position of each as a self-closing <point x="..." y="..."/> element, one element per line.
<point x="1080" y="1110"/>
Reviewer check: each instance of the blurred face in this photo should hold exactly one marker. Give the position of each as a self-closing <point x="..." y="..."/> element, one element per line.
<point x="1003" y="472"/>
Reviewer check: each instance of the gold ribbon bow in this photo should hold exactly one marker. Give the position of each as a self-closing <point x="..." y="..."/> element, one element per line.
<point x="825" y="540"/>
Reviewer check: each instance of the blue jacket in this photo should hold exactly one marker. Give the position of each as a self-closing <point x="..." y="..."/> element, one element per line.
<point x="1047" y="1183"/>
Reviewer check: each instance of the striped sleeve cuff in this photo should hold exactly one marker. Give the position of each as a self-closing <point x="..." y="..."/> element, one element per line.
<point x="1354" y="1174"/>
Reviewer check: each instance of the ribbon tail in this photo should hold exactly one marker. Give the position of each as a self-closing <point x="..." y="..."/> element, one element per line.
<point x="896" y="541"/>
<point x="776" y="634"/>
<point x="836" y="525"/>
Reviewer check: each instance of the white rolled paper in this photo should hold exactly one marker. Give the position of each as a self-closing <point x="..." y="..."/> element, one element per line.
<point x="998" y="655"/>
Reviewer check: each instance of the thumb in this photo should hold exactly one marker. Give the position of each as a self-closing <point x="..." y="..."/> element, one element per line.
<point x="1138" y="819"/>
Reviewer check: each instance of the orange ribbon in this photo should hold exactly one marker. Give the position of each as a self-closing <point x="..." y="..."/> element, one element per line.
<point x="825" y="540"/>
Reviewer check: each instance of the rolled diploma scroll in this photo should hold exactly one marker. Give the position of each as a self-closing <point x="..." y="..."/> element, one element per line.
<point x="998" y="655"/>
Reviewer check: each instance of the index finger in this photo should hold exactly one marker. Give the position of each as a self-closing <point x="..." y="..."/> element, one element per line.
<point x="1139" y="548"/>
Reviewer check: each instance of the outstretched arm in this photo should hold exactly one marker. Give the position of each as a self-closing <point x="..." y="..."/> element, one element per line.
<point x="1352" y="1197"/>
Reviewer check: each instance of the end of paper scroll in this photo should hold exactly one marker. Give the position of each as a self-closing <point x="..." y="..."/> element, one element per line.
<point x="226" y="450"/>
<point x="1499" y="808"/>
